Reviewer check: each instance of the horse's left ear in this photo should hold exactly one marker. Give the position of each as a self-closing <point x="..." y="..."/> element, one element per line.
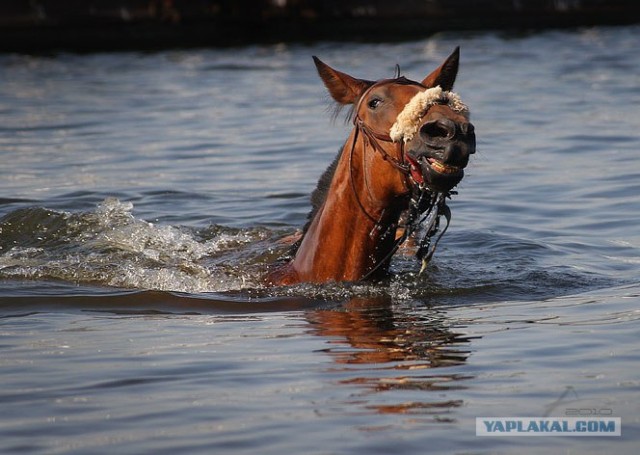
<point x="445" y="74"/>
<point x="343" y="88"/>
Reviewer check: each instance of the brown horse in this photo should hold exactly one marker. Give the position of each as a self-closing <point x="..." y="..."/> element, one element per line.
<point x="407" y="150"/>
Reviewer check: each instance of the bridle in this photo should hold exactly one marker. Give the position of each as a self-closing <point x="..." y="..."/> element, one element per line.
<point x="425" y="205"/>
<point x="372" y="138"/>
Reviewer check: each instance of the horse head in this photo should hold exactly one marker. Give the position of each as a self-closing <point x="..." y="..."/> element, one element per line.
<point x="422" y="127"/>
<point x="409" y="146"/>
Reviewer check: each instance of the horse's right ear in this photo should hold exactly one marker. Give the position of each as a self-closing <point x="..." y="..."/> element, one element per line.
<point x="445" y="74"/>
<point x="342" y="87"/>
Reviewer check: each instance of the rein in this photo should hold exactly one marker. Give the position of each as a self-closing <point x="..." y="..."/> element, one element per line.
<point x="431" y="217"/>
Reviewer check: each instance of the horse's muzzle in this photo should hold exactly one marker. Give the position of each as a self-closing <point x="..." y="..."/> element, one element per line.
<point x="442" y="149"/>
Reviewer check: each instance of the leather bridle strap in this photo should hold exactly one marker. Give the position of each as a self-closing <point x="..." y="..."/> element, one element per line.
<point x="373" y="138"/>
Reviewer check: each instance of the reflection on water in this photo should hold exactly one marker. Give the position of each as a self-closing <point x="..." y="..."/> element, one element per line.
<point x="399" y="352"/>
<point x="375" y="336"/>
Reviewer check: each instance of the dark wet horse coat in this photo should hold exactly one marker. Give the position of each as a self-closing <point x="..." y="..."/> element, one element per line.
<point x="352" y="228"/>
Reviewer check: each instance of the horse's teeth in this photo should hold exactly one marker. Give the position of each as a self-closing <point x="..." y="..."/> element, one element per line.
<point x="443" y="168"/>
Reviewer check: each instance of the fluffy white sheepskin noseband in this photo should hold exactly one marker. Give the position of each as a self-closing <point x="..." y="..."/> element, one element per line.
<point x="408" y="121"/>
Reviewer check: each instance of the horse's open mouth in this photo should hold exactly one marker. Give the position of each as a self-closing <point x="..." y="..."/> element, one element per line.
<point x="434" y="173"/>
<point x="441" y="168"/>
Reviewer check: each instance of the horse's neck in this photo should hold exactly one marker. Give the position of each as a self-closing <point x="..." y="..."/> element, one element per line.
<point x="350" y="234"/>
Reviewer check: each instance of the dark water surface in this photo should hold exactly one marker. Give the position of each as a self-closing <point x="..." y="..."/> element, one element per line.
<point x="142" y="196"/>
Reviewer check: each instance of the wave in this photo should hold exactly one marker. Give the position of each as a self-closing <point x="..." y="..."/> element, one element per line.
<point x="110" y="247"/>
<point x="107" y="247"/>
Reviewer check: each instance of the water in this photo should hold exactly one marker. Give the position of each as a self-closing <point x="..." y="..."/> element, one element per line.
<point x="143" y="196"/>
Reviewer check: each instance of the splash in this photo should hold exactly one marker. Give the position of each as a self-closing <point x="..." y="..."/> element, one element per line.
<point x="111" y="247"/>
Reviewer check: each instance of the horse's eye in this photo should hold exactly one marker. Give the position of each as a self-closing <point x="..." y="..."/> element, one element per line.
<point x="374" y="103"/>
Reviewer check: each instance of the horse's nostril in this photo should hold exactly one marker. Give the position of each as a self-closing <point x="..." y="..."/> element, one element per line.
<point x="467" y="129"/>
<point x="441" y="128"/>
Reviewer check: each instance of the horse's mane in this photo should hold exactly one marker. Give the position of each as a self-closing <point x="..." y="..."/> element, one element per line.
<point x="318" y="197"/>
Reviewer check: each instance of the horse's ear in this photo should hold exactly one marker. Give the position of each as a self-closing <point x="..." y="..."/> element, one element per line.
<point x="445" y="74"/>
<point x="342" y="87"/>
